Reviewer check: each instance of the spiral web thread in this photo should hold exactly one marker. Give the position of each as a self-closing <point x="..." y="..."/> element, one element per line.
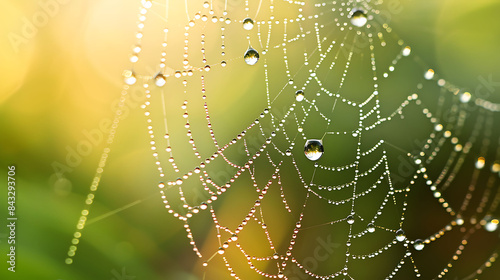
<point x="309" y="98"/>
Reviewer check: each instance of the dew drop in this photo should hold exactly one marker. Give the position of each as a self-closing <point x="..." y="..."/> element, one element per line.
<point x="147" y="4"/>
<point x="203" y="206"/>
<point x="480" y="163"/>
<point x="371" y="228"/>
<point x="358" y="18"/>
<point x="400" y="235"/>
<point x="248" y="24"/>
<point x="223" y="63"/>
<point x="491" y="225"/>
<point x="206" y="5"/>
<point x="281" y="275"/>
<point x="419" y="245"/>
<point x="234" y="237"/>
<point x="160" y="80"/>
<point x="288" y="153"/>
<point x="134" y="58"/>
<point x="129" y="77"/>
<point x="406" y="51"/>
<point x="313" y="149"/>
<point x="251" y="56"/>
<point x="350" y="219"/>
<point x="207" y="68"/>
<point x="465" y="97"/>
<point x="299" y="95"/>
<point x="221" y="251"/>
<point x="429" y="74"/>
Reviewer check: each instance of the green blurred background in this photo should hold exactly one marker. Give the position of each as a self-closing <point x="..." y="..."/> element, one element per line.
<point x="61" y="81"/>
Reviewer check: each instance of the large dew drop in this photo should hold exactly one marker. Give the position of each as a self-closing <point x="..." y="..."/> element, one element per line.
<point x="248" y="24"/>
<point x="129" y="77"/>
<point x="299" y="95"/>
<point x="400" y="235"/>
<point x="491" y="224"/>
<point x="358" y="18"/>
<point x="313" y="149"/>
<point x="160" y="80"/>
<point x="251" y="56"/>
<point x="419" y="245"/>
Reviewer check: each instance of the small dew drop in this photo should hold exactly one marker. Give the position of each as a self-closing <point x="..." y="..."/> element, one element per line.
<point x="299" y="95"/>
<point x="221" y="251"/>
<point x="248" y="24"/>
<point x="313" y="149"/>
<point x="206" y="5"/>
<point x="223" y="63"/>
<point x="358" y="18"/>
<point x="251" y="56"/>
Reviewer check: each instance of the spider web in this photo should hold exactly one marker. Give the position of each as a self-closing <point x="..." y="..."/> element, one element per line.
<point x="399" y="164"/>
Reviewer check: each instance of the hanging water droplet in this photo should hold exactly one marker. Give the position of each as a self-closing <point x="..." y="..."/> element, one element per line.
<point x="491" y="224"/>
<point x="299" y="95"/>
<point x="134" y="58"/>
<point x="465" y="97"/>
<point x="429" y="74"/>
<point x="228" y="20"/>
<point x="203" y="206"/>
<point x="129" y="77"/>
<point x="419" y="244"/>
<point x="248" y="24"/>
<point x="206" y="4"/>
<point x="207" y="68"/>
<point x="358" y="17"/>
<point x="371" y="228"/>
<point x="350" y="219"/>
<point x="480" y="163"/>
<point x="400" y="235"/>
<point x="406" y="51"/>
<point x="251" y="56"/>
<point x="147" y="4"/>
<point x="281" y="275"/>
<point x="221" y="251"/>
<point x="234" y="237"/>
<point x="223" y="63"/>
<point x="178" y="74"/>
<point x="160" y="80"/>
<point x="288" y="153"/>
<point x="313" y="149"/>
